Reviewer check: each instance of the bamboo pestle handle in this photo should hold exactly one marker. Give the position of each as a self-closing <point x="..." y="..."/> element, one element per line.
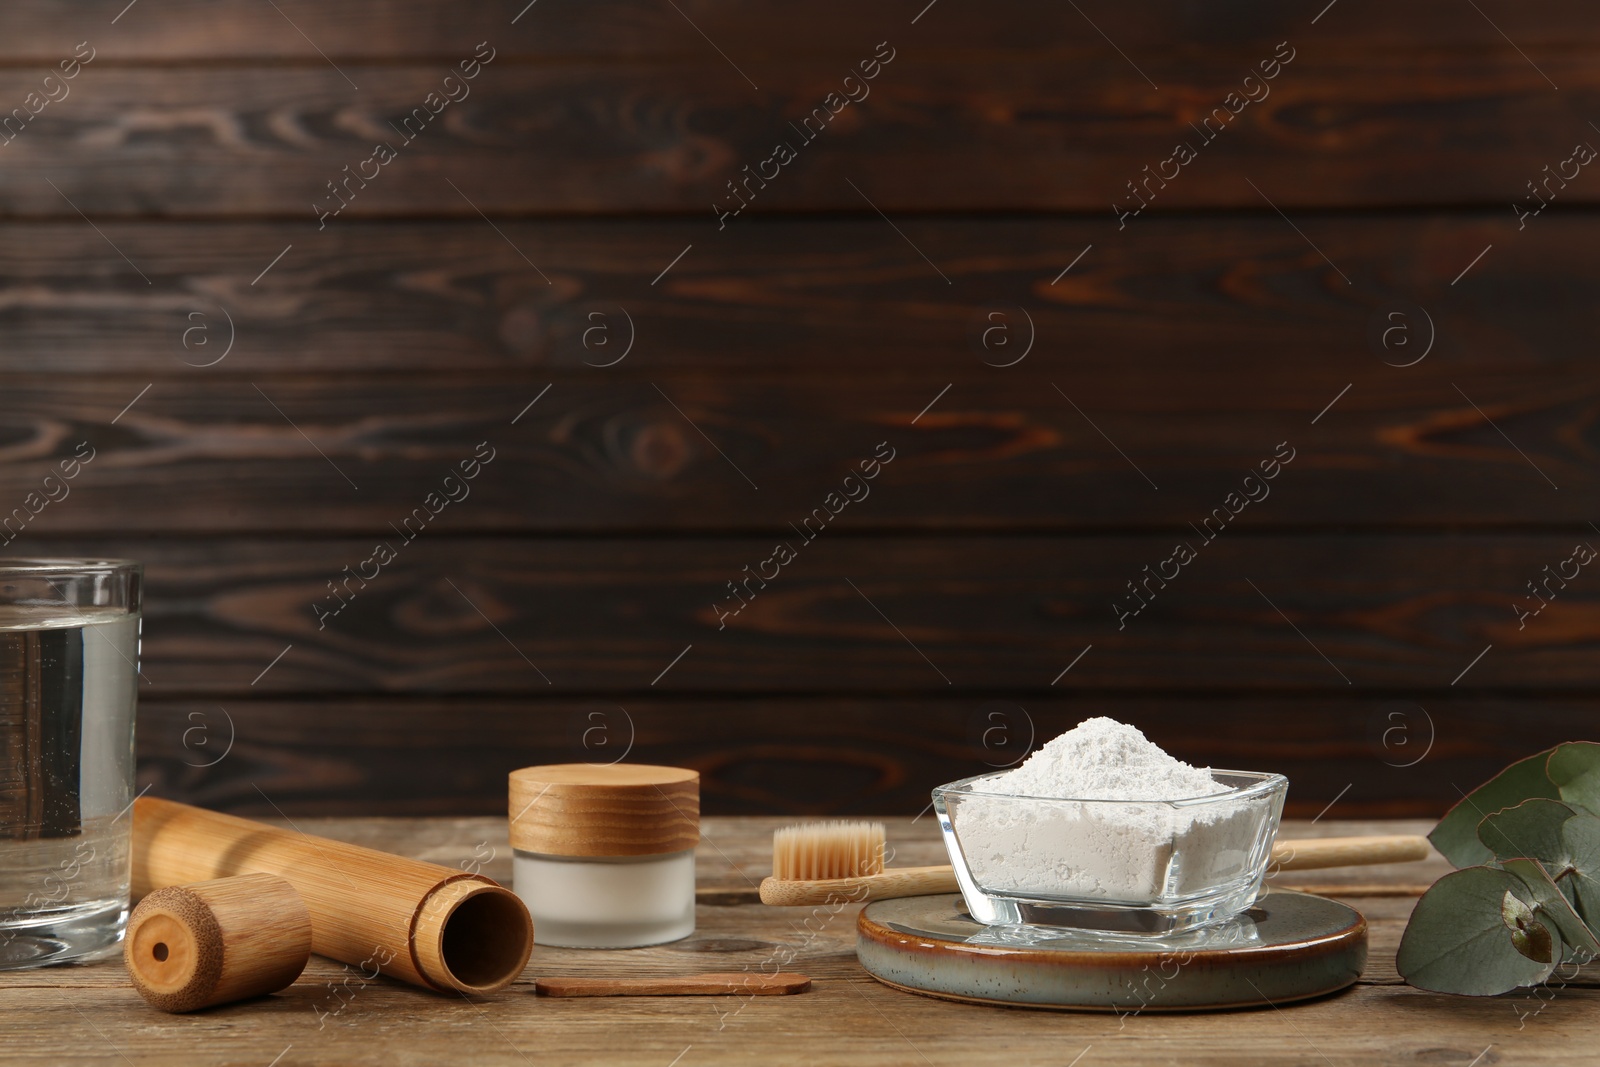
<point x="1302" y="855"/>
<point x="429" y="925"/>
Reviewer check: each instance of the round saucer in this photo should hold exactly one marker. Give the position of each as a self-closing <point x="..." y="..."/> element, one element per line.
<point x="1289" y="946"/>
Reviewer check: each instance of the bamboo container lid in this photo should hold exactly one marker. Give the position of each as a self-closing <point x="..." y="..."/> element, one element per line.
<point x="619" y="809"/>
<point x="192" y="946"/>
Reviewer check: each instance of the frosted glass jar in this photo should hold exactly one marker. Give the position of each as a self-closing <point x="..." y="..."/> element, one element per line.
<point x="603" y="856"/>
<point x="607" y="901"/>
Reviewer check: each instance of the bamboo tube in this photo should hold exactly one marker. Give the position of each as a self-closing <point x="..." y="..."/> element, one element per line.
<point x="193" y="946"/>
<point x="419" y="922"/>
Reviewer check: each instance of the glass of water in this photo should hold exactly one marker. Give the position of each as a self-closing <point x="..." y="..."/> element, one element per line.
<point x="69" y="654"/>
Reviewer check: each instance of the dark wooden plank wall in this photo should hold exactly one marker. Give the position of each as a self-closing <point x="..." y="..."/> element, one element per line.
<point x="259" y="423"/>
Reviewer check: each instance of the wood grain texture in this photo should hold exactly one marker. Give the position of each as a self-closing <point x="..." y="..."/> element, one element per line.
<point x="607" y="616"/>
<point x="1156" y="311"/>
<point x="820" y="756"/>
<point x="1189" y="342"/>
<point x="1334" y="128"/>
<point x="303" y="31"/>
<point x="314" y="456"/>
<point x="615" y="809"/>
<point x="840" y="1020"/>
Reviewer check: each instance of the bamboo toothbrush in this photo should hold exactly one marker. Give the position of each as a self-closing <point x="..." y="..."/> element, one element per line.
<point x="820" y="863"/>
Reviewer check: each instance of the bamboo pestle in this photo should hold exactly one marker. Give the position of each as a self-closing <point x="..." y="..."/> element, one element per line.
<point x="419" y="922"/>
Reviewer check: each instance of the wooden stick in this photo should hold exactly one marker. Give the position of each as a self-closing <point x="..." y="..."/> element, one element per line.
<point x="691" y="985"/>
<point x="368" y="908"/>
<point x="1300" y="855"/>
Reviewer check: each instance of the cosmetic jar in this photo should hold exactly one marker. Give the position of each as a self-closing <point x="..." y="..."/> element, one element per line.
<point x="603" y="855"/>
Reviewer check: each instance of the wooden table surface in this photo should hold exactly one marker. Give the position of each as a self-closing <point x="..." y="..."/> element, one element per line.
<point x="90" y="1014"/>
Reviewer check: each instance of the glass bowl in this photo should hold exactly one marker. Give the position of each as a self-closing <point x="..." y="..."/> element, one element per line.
<point x="1123" y="866"/>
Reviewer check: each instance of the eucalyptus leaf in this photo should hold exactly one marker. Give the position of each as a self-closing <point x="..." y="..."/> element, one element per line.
<point x="1456" y="836"/>
<point x="1536" y="942"/>
<point x="1528" y="936"/>
<point x="1531" y="829"/>
<point x="1513" y="912"/>
<point x="1549" y="901"/>
<point x="1575" y="769"/>
<point x="1581" y="835"/>
<point x="1459" y="941"/>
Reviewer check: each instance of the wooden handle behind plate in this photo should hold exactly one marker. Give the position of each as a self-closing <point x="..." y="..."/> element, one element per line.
<point x="1320" y="853"/>
<point x="689" y="985"/>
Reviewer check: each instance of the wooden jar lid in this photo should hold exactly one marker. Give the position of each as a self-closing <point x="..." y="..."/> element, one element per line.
<point x="620" y="809"/>
<point x="192" y="946"/>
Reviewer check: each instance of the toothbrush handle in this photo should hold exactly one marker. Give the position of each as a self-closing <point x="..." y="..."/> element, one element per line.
<point x="1303" y="855"/>
<point x="895" y="882"/>
<point x="689" y="985"/>
<point x="1317" y="853"/>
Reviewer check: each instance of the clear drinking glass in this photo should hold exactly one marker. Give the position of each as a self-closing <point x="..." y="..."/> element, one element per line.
<point x="69" y="649"/>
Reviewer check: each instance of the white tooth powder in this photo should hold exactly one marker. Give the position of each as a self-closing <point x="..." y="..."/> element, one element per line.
<point x="1103" y="759"/>
<point x="1114" y="852"/>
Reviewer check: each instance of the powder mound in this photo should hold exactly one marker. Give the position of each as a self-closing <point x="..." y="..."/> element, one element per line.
<point x="1102" y="759"/>
<point x="1138" y="853"/>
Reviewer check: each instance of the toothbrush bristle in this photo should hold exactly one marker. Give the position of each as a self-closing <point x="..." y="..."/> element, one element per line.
<point x="824" y="850"/>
